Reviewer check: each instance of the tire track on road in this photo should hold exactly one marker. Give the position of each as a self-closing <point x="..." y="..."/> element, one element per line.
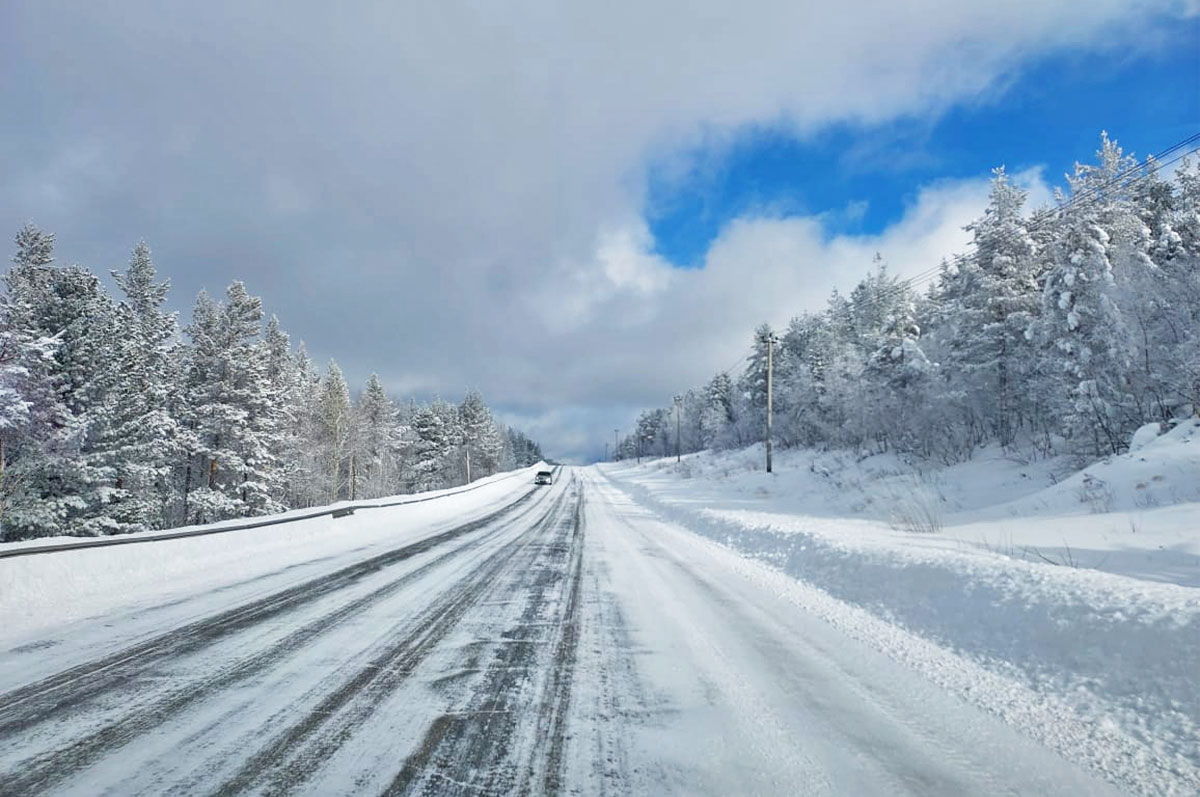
<point x="558" y="693"/>
<point x="71" y="690"/>
<point x="296" y="754"/>
<point x="461" y="747"/>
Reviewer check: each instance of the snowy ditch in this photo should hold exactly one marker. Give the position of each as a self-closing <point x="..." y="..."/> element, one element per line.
<point x="1122" y="653"/>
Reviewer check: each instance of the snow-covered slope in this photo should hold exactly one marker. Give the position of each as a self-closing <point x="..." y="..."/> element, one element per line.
<point x="1085" y="586"/>
<point x="1159" y="470"/>
<point x="41" y="593"/>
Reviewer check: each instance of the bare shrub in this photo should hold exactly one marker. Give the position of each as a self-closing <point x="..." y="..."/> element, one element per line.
<point x="917" y="507"/>
<point x="1096" y="494"/>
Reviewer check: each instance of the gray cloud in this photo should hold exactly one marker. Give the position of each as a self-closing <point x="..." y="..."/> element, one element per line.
<point x="450" y="193"/>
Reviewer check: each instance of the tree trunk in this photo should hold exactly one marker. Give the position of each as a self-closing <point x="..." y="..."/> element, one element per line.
<point x="187" y="487"/>
<point x="3" y="488"/>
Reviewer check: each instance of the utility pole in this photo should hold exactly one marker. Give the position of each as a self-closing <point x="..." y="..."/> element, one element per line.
<point x="678" y="404"/>
<point x="770" y="340"/>
<point x="616" y="446"/>
<point x="606" y="451"/>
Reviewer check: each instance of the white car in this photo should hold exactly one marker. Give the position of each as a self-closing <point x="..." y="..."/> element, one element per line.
<point x="543" y="477"/>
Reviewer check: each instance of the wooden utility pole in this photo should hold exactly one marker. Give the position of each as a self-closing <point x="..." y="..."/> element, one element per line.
<point x="770" y="341"/>
<point x="616" y="446"/>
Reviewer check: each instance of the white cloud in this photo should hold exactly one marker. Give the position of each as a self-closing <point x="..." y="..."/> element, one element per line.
<point x="759" y="269"/>
<point x="449" y="193"/>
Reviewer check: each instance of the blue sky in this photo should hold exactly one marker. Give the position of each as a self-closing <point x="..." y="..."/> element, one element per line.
<point x="862" y="178"/>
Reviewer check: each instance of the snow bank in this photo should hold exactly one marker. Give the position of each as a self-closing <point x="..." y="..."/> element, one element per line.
<point x="41" y="593"/>
<point x="1160" y="470"/>
<point x="253" y="523"/>
<point x="1011" y="593"/>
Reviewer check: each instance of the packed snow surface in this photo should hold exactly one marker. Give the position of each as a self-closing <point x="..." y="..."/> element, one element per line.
<point x="639" y="630"/>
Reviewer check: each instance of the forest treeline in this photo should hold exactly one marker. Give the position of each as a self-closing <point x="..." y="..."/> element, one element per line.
<point x="114" y="420"/>
<point x="1065" y="330"/>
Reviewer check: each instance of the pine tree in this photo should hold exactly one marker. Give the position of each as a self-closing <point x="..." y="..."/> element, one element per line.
<point x="995" y="300"/>
<point x="885" y="333"/>
<point x="525" y="451"/>
<point x="60" y="485"/>
<point x="236" y="423"/>
<point x="717" y="414"/>
<point x="453" y="468"/>
<point x="334" y="432"/>
<point x="376" y="440"/>
<point x="109" y="423"/>
<point x="480" y="440"/>
<point x="307" y="483"/>
<point x="22" y="359"/>
<point x="433" y="443"/>
<point x="1089" y="342"/>
<point x="283" y="385"/>
<point x="143" y="437"/>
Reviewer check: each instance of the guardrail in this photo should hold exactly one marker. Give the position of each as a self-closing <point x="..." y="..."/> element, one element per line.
<point x="336" y="511"/>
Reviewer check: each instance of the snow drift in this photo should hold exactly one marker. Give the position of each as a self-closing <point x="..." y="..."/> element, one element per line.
<point x="1085" y="589"/>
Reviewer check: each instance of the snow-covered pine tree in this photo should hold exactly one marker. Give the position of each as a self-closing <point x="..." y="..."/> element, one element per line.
<point x="692" y="436"/>
<point x="434" y="442"/>
<point x="307" y="485"/>
<point x="62" y="487"/>
<point x="283" y="383"/>
<point x="142" y="438"/>
<point x="837" y="363"/>
<point x="995" y="299"/>
<point x="883" y="313"/>
<point x="453" y="467"/>
<point x="375" y="440"/>
<point x="231" y="410"/>
<point x="652" y="434"/>
<point x="717" y="416"/>
<point x="1161" y="298"/>
<point x="110" y="423"/>
<point x="525" y="451"/>
<point x="22" y="361"/>
<point x="405" y="438"/>
<point x="334" y="432"/>
<point x="1085" y="332"/>
<point x="480" y="439"/>
<point x="752" y="389"/>
<point x="802" y="384"/>
<point x="1181" y="325"/>
<point x="37" y="413"/>
<point x="507" y="458"/>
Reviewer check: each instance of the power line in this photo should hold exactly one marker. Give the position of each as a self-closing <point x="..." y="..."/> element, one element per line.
<point x="745" y="355"/>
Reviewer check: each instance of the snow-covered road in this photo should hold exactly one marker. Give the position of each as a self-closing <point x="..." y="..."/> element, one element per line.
<point x="568" y="641"/>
